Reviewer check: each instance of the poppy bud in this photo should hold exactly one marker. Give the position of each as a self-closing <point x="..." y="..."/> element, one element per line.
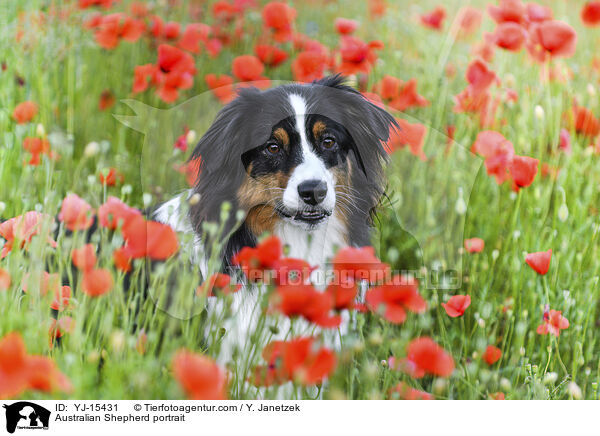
<point x="563" y="212"/>
<point x="91" y="149"/>
<point x="539" y="112"/>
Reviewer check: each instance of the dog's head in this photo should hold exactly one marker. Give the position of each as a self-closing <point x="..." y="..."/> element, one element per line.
<point x="295" y="153"/>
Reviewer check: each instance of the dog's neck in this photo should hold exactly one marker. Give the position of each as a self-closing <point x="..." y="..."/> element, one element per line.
<point x="315" y="247"/>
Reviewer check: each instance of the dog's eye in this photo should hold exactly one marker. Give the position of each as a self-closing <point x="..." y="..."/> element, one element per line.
<point x="328" y="143"/>
<point x="273" y="148"/>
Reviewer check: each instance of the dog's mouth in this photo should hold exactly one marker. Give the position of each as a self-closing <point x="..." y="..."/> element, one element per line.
<point x="312" y="216"/>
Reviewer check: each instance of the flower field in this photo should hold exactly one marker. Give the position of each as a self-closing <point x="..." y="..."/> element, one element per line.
<point x="482" y="281"/>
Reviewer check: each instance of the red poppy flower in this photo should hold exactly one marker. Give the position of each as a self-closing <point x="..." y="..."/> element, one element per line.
<point x="5" y="280"/>
<point x="474" y="245"/>
<point x="409" y="134"/>
<point x="497" y="151"/>
<point x="175" y="71"/>
<point x="60" y="327"/>
<point x="343" y="291"/>
<point x="469" y="20"/>
<point x="24" y="112"/>
<point x="393" y="299"/>
<point x="553" y="323"/>
<point x="253" y="261"/>
<point x="479" y="76"/>
<point x="138" y="9"/>
<point x="359" y="264"/>
<point x="106" y="4"/>
<point x="217" y="283"/>
<point x="408" y="97"/>
<point x="97" y="282"/>
<point x="457" y="305"/>
<point x="279" y="17"/>
<point x="114" y="213"/>
<point x="497" y="396"/>
<point x="181" y="141"/>
<point x="248" y="68"/>
<point x="434" y="19"/>
<point x="20" y="372"/>
<point x="111" y="177"/>
<point x="423" y="357"/>
<point x="296" y="360"/>
<point x="24" y="227"/>
<point x="142" y="76"/>
<point x="564" y="141"/>
<point x="37" y="147"/>
<point x="373" y="98"/>
<point x="523" y="170"/>
<point x="403" y="391"/>
<point x="191" y="170"/>
<point x="309" y="66"/>
<point x="357" y="55"/>
<point x="84" y="258"/>
<point x="536" y="13"/>
<point x="47" y="283"/>
<point x="62" y="298"/>
<point x="291" y="271"/>
<point x="107" y="100"/>
<point x="114" y="27"/>
<point x="221" y="86"/>
<point x="509" y="36"/>
<point x="192" y="37"/>
<point x="590" y="13"/>
<point x="171" y="30"/>
<point x="508" y="10"/>
<point x="388" y="87"/>
<point x="150" y="239"/>
<point x="585" y="122"/>
<point x="377" y="8"/>
<point x="551" y="39"/>
<point x="270" y="55"/>
<point x="344" y="26"/>
<point x="224" y="11"/>
<point x="492" y="354"/>
<point x="539" y="261"/>
<point x="199" y="376"/>
<point x="305" y="301"/>
<point x="76" y="213"/>
<point x="484" y="49"/>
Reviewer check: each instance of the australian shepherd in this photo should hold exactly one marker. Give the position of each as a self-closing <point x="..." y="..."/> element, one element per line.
<point x="304" y="162"/>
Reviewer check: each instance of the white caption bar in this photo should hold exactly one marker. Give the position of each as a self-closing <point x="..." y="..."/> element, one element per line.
<point x="310" y="418"/>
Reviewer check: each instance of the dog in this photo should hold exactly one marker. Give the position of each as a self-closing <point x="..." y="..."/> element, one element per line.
<point x="304" y="162"/>
<point x="299" y="160"/>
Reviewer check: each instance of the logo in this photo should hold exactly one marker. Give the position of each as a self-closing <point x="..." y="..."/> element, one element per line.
<point x="26" y="415"/>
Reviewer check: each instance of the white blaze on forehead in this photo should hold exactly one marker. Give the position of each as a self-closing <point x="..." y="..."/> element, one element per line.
<point x="311" y="166"/>
<point x="299" y="106"/>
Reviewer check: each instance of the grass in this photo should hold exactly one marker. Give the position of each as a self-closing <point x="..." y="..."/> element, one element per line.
<point x="65" y="72"/>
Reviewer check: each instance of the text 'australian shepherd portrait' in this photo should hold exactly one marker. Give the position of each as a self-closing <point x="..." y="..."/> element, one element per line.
<point x="213" y="210"/>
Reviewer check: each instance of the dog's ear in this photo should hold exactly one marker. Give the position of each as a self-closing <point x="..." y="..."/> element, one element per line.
<point x="220" y="170"/>
<point x="368" y="124"/>
<point x="218" y="144"/>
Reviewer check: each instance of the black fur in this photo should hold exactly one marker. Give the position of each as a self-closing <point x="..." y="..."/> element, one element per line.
<point x="247" y="123"/>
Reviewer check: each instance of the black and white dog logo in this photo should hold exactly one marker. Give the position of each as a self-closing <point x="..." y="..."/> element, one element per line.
<point x="26" y="415"/>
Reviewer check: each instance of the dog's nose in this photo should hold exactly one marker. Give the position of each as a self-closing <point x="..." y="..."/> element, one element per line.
<point x="312" y="191"/>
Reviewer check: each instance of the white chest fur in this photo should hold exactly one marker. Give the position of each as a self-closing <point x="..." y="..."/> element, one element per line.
<point x="315" y="247"/>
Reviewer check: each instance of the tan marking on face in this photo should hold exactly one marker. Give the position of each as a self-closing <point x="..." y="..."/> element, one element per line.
<point x="282" y="136"/>
<point x="318" y="129"/>
<point x="258" y="197"/>
<point x="262" y="219"/>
